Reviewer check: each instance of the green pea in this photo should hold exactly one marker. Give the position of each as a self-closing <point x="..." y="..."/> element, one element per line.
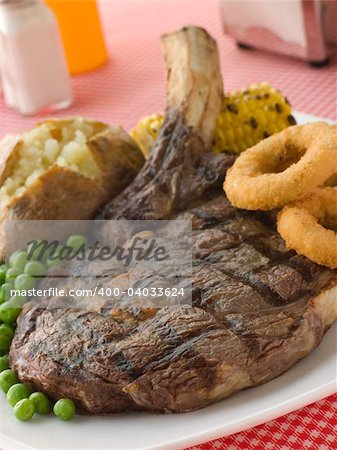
<point x="2" y="295"/>
<point x="11" y="310"/>
<point x="12" y="258"/>
<point x="3" y="271"/>
<point x="56" y="252"/>
<point x="24" y="410"/>
<point x="54" y="257"/>
<point x="17" y="301"/>
<point x="35" y="269"/>
<point x="4" y="363"/>
<point x="77" y="241"/>
<point x="41" y="402"/>
<point x="6" y="336"/>
<point x="5" y="292"/>
<point x="18" y="260"/>
<point x="34" y="250"/>
<point x="9" y="315"/>
<point x="12" y="273"/>
<point x="64" y="409"/>
<point x="17" y="392"/>
<point x="7" y="378"/>
<point x="38" y="252"/>
<point x="24" y="282"/>
<point x="53" y="262"/>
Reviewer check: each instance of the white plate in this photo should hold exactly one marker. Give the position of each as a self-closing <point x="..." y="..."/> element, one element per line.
<point x="310" y="380"/>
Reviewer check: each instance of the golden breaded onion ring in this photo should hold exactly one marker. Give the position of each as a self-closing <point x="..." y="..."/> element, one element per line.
<point x="302" y="226"/>
<point x="331" y="181"/>
<point x="284" y="167"/>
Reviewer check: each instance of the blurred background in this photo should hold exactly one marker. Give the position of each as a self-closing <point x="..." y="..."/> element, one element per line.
<point x="111" y="48"/>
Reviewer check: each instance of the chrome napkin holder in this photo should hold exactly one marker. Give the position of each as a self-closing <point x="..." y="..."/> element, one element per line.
<point x="306" y="29"/>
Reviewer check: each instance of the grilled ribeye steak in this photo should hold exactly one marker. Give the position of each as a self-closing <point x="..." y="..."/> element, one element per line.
<point x="257" y="307"/>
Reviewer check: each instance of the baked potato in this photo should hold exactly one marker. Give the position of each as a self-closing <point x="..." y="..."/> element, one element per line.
<point x="64" y="170"/>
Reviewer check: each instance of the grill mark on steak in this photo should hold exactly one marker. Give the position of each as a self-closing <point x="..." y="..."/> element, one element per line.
<point x="279" y="256"/>
<point x="249" y="277"/>
<point x="124" y="364"/>
<point x="300" y="264"/>
<point x="271" y="296"/>
<point x="250" y="280"/>
<point x="255" y="309"/>
<point x="169" y="334"/>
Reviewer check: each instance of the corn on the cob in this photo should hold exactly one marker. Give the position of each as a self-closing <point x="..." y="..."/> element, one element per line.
<point x="146" y="131"/>
<point x="246" y="117"/>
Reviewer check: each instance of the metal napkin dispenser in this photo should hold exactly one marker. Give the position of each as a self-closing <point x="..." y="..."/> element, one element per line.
<point x="305" y="29"/>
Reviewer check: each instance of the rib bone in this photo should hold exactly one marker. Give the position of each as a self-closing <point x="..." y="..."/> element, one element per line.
<point x="194" y="84"/>
<point x="181" y="170"/>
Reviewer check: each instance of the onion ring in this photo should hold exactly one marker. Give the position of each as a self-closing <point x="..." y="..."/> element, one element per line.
<point x="302" y="227"/>
<point x="284" y="167"/>
<point x="331" y="181"/>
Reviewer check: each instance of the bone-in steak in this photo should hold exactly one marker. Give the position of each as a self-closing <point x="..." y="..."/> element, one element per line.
<point x="257" y="307"/>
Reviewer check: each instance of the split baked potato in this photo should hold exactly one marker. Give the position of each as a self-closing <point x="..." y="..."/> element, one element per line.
<point x="64" y="170"/>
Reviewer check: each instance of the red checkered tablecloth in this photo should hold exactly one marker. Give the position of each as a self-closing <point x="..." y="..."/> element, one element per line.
<point x="132" y="84"/>
<point x="313" y="427"/>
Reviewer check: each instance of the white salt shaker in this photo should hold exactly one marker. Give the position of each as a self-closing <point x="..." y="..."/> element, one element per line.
<point x="33" y="67"/>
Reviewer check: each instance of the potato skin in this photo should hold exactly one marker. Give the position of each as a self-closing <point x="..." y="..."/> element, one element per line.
<point x="118" y="157"/>
<point x="58" y="194"/>
<point x="62" y="194"/>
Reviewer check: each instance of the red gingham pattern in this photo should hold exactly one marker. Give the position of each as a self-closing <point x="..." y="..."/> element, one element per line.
<point x="313" y="427"/>
<point x="132" y="84"/>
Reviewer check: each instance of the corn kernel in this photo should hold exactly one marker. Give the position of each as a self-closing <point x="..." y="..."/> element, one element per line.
<point x="246" y="117"/>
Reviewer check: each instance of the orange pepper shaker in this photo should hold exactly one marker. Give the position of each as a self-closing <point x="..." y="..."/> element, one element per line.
<point x="81" y="32"/>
